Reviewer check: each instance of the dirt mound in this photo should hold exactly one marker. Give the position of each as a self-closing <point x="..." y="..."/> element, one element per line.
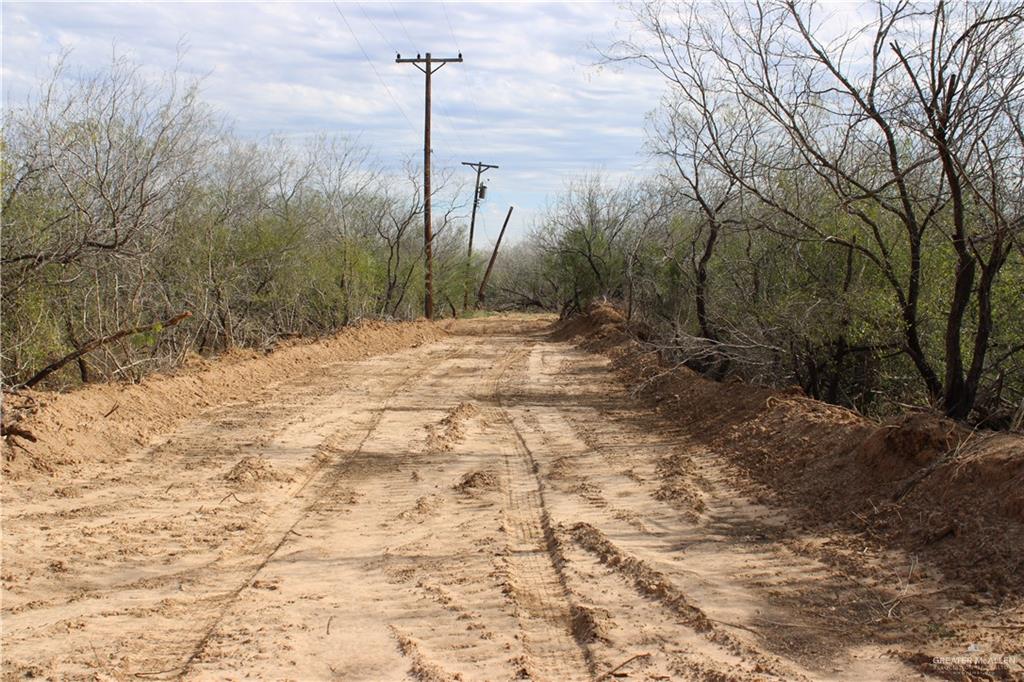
<point x="252" y="471"/>
<point x="603" y="314"/>
<point x="420" y="667"/>
<point x="443" y="436"/>
<point x="907" y="443"/>
<point x="586" y="627"/>
<point x="425" y="506"/>
<point x="503" y="324"/>
<point x="459" y="414"/>
<point x="991" y="470"/>
<point x="104" y="420"/>
<point x="648" y="581"/>
<point x="476" y="481"/>
<point x="602" y="326"/>
<point x="918" y="481"/>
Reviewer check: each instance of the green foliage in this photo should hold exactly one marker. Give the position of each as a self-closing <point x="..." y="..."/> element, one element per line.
<point x="122" y="210"/>
<point x="784" y="310"/>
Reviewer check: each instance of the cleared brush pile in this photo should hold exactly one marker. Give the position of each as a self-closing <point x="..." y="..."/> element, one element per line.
<point x="918" y="481"/>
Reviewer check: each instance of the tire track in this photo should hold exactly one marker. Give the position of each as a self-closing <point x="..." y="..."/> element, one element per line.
<point x="554" y="628"/>
<point x="475" y="633"/>
<point x="653" y="584"/>
<point x="330" y="471"/>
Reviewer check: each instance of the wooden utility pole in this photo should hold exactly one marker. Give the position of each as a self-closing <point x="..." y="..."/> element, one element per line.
<point x="428" y="70"/>
<point x="494" y="255"/>
<point x="480" y="167"/>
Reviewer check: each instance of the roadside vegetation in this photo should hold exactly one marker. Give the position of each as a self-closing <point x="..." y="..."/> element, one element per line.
<point x="127" y="202"/>
<point x="838" y="207"/>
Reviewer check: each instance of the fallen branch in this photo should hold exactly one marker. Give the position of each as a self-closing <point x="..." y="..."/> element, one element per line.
<point x="156" y="673"/>
<point x="735" y="625"/>
<point x="9" y="390"/>
<point x="13" y="430"/>
<point x="620" y="666"/>
<point x="92" y="345"/>
<point x="796" y="625"/>
<point x="947" y="458"/>
<point x="234" y="496"/>
<point x="1017" y="425"/>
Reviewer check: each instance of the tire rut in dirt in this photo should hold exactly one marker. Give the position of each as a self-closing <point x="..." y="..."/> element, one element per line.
<point x="323" y="481"/>
<point x="552" y="625"/>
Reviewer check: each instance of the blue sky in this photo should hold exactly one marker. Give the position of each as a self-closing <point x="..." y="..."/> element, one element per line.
<point x="529" y="97"/>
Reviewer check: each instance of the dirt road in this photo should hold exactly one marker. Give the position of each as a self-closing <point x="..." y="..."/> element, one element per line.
<point x="484" y="507"/>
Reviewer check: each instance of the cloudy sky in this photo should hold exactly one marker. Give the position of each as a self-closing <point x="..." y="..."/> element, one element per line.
<point x="529" y="97"/>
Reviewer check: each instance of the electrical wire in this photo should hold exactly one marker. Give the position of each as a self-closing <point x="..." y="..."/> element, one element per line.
<point x="366" y="56"/>
<point x="376" y="28"/>
<point x="469" y="84"/>
<point x="445" y="113"/>
<point x="402" y="24"/>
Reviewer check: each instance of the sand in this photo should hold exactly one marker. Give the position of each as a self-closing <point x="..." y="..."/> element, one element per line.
<point x="476" y="501"/>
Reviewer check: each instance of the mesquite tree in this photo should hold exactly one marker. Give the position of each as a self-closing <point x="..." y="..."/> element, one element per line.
<point x="128" y="203"/>
<point x="908" y="123"/>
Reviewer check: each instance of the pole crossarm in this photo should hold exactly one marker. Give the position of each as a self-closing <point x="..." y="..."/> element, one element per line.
<point x="429" y="61"/>
<point x="423" y="60"/>
<point x="479" y="166"/>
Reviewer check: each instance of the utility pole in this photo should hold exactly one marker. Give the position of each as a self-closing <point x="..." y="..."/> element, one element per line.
<point x="428" y="70"/>
<point x="480" y="167"/>
<point x="494" y="256"/>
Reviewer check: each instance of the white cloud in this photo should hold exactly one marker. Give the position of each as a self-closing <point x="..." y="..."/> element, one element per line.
<point x="527" y="96"/>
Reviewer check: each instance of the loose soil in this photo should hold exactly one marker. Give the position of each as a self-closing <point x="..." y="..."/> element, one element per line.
<point x="487" y="499"/>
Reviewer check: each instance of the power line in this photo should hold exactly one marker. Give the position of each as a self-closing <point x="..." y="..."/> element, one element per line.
<point x="376" y="28"/>
<point x="450" y="29"/>
<point x="469" y="84"/>
<point x="402" y="24"/>
<point x="444" y="111"/>
<point x="366" y="56"/>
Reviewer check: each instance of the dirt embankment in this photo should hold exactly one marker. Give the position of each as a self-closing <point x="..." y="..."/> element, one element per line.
<point x="71" y="429"/>
<point x="919" y="482"/>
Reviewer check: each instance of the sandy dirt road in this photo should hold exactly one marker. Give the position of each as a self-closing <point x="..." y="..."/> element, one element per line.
<point x="485" y="507"/>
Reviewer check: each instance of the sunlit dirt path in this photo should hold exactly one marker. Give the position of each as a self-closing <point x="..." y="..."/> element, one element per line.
<point x="491" y="506"/>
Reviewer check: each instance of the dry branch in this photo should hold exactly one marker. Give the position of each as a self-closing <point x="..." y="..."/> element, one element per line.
<point x="620" y="666"/>
<point x="13" y="430"/>
<point x="92" y="345"/>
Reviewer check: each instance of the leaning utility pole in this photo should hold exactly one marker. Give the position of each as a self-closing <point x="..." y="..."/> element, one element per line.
<point x="428" y="70"/>
<point x="494" y="256"/>
<point x="480" y="167"/>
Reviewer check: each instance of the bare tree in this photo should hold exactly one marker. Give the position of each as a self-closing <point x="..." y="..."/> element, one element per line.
<point x="586" y="226"/>
<point x="687" y="142"/>
<point x="99" y="164"/>
<point x="115" y="151"/>
<point x="907" y="129"/>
